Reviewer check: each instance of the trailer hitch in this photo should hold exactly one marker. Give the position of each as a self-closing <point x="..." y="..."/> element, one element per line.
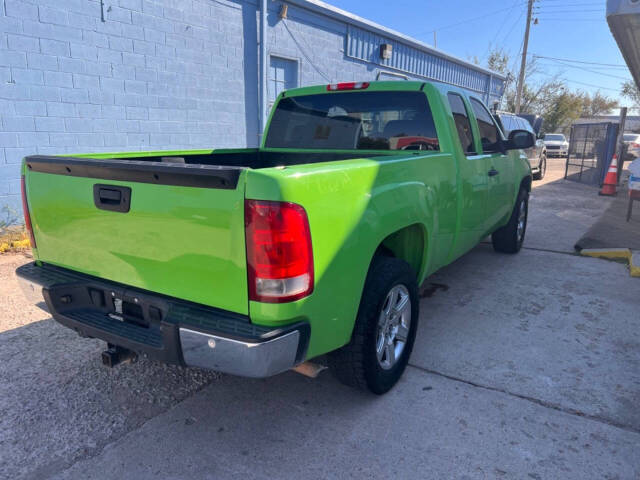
<point x="115" y="355"/>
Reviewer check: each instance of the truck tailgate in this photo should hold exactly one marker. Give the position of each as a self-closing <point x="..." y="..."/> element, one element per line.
<point x="182" y="236"/>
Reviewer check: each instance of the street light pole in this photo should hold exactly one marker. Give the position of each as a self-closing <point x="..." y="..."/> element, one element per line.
<point x="523" y="64"/>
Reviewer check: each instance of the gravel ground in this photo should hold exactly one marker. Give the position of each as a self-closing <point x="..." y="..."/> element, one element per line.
<point x="14" y="311"/>
<point x="58" y="402"/>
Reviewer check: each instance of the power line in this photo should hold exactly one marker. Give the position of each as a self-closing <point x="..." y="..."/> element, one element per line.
<point x="564" y="5"/>
<point x="580" y="61"/>
<point x="598" y="10"/>
<point x="517" y="22"/>
<point x="580" y="3"/>
<point x="584" y="70"/>
<point x="502" y="26"/>
<point x="591" y="71"/>
<point x="467" y="20"/>
<point x="295" y="40"/>
<point x="570" y="20"/>
<point x="583" y="83"/>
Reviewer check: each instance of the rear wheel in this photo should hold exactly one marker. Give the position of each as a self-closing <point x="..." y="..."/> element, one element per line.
<point x="509" y="238"/>
<point x="542" y="169"/>
<point x="384" y="331"/>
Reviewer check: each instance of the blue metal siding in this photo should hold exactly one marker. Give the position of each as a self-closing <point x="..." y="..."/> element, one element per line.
<point x="364" y="45"/>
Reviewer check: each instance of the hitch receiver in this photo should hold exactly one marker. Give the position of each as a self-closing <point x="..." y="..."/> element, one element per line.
<point x="115" y="355"/>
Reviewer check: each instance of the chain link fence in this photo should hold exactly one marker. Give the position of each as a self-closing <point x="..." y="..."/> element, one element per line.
<point x="591" y="147"/>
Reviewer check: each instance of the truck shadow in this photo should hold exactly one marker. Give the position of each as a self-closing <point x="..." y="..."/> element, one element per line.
<point x="59" y="402"/>
<point x="54" y="382"/>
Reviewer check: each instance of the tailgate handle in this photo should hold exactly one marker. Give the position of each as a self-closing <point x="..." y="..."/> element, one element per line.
<point x="112" y="198"/>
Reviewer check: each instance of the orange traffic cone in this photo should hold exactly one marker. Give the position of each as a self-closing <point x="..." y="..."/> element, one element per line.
<point x="611" y="179"/>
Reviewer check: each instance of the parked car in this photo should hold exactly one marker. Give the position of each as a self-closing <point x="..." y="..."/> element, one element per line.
<point x="557" y="145"/>
<point x="537" y="154"/>
<point x="251" y="261"/>
<point x="632" y="145"/>
<point x="534" y="120"/>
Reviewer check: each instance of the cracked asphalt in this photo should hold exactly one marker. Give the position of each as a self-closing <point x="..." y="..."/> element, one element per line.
<point x="525" y="366"/>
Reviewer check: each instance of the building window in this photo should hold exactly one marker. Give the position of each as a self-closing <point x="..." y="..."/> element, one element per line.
<point x="283" y="74"/>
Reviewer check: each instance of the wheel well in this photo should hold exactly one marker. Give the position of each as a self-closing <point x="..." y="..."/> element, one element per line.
<point x="526" y="183"/>
<point x="407" y="244"/>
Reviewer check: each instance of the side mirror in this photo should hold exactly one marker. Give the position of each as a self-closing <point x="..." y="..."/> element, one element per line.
<point x="520" y="140"/>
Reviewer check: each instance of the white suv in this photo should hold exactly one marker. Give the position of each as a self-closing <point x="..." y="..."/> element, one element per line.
<point x="557" y="145"/>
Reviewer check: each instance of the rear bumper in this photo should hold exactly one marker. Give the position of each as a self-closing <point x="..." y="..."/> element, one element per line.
<point x="164" y="328"/>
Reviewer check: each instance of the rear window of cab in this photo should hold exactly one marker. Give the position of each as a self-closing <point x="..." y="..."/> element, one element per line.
<point x="354" y="121"/>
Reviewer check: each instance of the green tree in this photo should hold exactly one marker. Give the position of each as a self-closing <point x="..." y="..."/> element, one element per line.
<point x="597" y="104"/>
<point x="631" y="91"/>
<point x="564" y="110"/>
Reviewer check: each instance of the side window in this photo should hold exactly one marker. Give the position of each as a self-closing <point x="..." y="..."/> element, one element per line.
<point x="507" y="123"/>
<point x="489" y="133"/>
<point x="526" y="125"/>
<point x="463" y="125"/>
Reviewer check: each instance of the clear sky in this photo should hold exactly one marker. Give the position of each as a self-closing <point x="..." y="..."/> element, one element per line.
<point x="566" y="29"/>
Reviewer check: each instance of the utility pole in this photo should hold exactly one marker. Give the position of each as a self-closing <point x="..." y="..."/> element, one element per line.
<point x="523" y="64"/>
<point x="435" y="39"/>
<point x="620" y="150"/>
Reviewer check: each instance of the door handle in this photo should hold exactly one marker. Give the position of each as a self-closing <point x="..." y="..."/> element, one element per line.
<point x="493" y="172"/>
<point x="112" y="197"/>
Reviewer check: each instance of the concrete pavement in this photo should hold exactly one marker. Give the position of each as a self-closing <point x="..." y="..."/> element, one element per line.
<point x="525" y="366"/>
<point x="426" y="427"/>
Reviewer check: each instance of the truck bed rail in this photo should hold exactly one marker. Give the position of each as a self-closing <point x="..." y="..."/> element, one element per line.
<point x="160" y="173"/>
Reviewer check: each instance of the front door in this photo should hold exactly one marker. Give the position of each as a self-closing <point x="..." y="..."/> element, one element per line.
<point x="500" y="168"/>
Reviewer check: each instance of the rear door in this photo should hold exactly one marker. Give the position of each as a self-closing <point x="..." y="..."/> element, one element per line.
<point x="500" y="166"/>
<point x="473" y="179"/>
<point x="177" y="236"/>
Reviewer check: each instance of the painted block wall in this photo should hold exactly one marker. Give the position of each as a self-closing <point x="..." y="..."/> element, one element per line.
<point x="152" y="75"/>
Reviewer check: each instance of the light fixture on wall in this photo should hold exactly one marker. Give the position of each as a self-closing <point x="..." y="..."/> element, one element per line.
<point x="385" y="51"/>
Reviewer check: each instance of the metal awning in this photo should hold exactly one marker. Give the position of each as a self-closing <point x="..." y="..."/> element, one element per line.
<point x="623" y="17"/>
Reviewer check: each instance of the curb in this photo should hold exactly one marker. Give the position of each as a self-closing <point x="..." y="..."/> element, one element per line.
<point x="634" y="264"/>
<point x="616" y="253"/>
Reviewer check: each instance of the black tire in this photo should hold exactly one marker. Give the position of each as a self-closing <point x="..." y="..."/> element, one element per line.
<point x="542" y="168"/>
<point x="356" y="364"/>
<point x="508" y="239"/>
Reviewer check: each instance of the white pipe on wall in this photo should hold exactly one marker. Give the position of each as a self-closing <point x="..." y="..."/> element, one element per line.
<point x="262" y="72"/>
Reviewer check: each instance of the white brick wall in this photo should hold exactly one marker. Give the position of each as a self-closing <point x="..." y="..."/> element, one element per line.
<point x="156" y="74"/>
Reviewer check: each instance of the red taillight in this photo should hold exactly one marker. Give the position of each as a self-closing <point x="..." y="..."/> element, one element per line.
<point x="332" y="87"/>
<point x="279" y="254"/>
<point x="27" y="215"/>
<point x="635" y="145"/>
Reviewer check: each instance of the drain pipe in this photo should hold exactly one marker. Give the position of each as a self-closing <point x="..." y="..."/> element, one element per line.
<point x="262" y="107"/>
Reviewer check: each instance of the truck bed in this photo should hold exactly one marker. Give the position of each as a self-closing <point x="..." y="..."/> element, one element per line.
<point x="168" y="222"/>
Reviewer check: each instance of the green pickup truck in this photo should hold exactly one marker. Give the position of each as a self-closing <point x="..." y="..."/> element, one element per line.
<point x="253" y="261"/>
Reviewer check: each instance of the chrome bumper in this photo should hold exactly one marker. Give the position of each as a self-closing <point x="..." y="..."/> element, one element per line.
<point x="32" y="291"/>
<point x="242" y="358"/>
